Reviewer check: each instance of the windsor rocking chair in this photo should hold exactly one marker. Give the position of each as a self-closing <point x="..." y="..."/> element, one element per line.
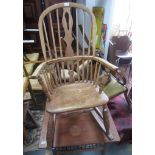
<point x="82" y="89"/>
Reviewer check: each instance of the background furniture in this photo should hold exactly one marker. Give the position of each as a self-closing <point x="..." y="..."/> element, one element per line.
<point x="119" y="46"/>
<point x="27" y="115"/>
<point x="120" y="54"/>
<point x="31" y="12"/>
<point x="30" y="67"/>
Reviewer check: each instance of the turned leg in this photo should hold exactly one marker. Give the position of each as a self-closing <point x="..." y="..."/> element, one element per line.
<point x="107" y="122"/>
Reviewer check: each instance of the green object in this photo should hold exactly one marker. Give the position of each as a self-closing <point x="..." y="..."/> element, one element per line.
<point x="29" y="67"/>
<point x="113" y="88"/>
<point x="99" y="14"/>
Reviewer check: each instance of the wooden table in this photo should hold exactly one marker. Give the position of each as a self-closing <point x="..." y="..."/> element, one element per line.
<point x="76" y="133"/>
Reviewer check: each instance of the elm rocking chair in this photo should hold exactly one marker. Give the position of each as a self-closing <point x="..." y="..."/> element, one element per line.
<point x="80" y="90"/>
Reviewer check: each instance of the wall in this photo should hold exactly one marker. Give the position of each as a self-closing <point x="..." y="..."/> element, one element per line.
<point x="108" y="15"/>
<point x="109" y="7"/>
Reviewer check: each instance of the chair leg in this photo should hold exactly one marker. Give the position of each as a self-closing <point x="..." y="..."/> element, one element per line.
<point x="107" y="122"/>
<point x="102" y="119"/>
<point x="128" y="100"/>
<point x="51" y="131"/>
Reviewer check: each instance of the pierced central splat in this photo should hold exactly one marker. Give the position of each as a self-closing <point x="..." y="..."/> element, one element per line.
<point x="68" y="31"/>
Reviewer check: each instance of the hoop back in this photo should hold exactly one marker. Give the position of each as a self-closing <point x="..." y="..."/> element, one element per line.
<point x="67" y="30"/>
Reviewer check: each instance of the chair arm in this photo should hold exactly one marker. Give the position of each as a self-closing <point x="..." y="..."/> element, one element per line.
<point x="113" y="69"/>
<point x="107" y="64"/>
<point x="35" y="62"/>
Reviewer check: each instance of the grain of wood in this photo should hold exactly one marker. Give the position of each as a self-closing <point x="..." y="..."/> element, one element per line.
<point x="47" y="41"/>
<point x="95" y="73"/>
<point x="83" y="40"/>
<point x="99" y="69"/>
<point x="77" y="37"/>
<point x="53" y="38"/>
<point x="58" y="24"/>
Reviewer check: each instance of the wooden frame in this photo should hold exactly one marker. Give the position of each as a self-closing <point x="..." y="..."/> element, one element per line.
<point x="68" y="40"/>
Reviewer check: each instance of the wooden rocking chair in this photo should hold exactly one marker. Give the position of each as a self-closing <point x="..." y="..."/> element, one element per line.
<point x="81" y="90"/>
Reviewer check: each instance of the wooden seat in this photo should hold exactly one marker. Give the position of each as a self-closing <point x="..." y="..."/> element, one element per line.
<point x="75" y="96"/>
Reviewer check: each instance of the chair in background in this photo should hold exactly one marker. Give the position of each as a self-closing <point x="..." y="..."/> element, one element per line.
<point x="123" y="54"/>
<point x="27" y="114"/>
<point x="30" y="57"/>
<point x="28" y="53"/>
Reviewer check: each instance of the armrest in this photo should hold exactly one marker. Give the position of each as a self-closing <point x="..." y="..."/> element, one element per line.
<point x="107" y="64"/>
<point x="35" y="62"/>
<point x="102" y="61"/>
<point x="37" y="69"/>
<point x="114" y="70"/>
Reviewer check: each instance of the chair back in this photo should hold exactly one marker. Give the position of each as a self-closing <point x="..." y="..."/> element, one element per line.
<point x="67" y="30"/>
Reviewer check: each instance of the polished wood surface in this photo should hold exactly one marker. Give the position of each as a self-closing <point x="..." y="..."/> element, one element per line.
<point x="75" y="96"/>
